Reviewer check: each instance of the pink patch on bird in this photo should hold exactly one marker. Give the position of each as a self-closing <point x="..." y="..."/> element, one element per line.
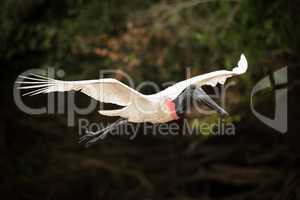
<point x="171" y="106"/>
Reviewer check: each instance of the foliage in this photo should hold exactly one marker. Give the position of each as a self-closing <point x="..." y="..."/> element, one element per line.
<point x="56" y="31"/>
<point x="153" y="40"/>
<point x="156" y="42"/>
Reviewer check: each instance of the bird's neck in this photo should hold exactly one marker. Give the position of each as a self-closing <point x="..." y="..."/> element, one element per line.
<point x="172" y="108"/>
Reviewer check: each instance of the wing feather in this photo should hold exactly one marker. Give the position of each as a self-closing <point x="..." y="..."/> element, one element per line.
<point x="104" y="90"/>
<point x="212" y="79"/>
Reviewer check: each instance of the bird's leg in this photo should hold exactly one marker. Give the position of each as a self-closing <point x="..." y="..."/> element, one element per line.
<point x="94" y="133"/>
<point x="90" y="134"/>
<point x="106" y="131"/>
<point x="92" y="137"/>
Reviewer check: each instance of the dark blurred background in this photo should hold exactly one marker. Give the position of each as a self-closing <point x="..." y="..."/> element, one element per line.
<point x="150" y="40"/>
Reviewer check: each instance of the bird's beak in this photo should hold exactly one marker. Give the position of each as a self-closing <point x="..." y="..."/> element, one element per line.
<point x="202" y="97"/>
<point x="223" y="113"/>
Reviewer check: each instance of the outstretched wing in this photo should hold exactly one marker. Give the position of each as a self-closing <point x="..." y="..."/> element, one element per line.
<point x="212" y="78"/>
<point x="104" y="90"/>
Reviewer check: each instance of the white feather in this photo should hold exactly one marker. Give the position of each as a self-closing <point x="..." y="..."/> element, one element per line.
<point x="104" y="90"/>
<point x="242" y="65"/>
<point x="212" y="79"/>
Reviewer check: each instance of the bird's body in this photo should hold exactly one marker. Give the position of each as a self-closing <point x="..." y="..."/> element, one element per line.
<point x="151" y="111"/>
<point x="161" y="107"/>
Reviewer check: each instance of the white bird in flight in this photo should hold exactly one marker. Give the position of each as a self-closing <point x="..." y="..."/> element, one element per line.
<point x="167" y="105"/>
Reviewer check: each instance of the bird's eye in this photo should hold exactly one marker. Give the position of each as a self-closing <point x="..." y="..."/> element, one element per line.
<point x="193" y="87"/>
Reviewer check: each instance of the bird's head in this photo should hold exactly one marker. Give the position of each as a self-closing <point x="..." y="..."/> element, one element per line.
<point x="191" y="96"/>
<point x="184" y="101"/>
